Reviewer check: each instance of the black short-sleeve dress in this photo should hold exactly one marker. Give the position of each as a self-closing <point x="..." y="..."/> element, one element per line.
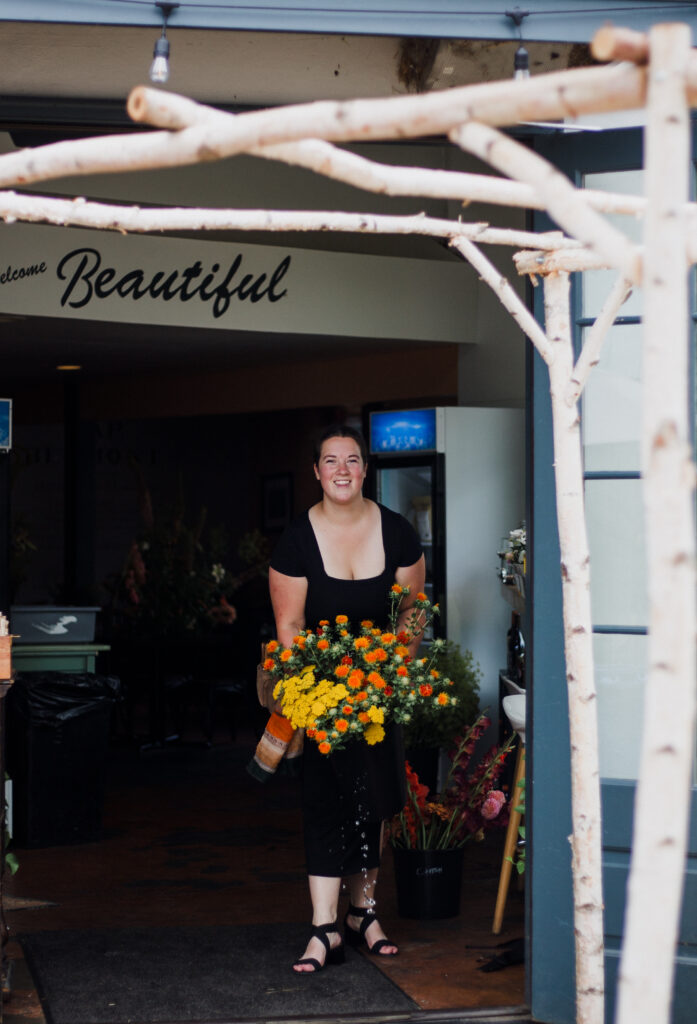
<point x="346" y="795"/>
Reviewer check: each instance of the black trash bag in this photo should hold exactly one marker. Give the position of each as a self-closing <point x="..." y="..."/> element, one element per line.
<point x="52" y="698"/>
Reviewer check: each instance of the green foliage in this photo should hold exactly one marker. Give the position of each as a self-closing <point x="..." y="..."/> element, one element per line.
<point x="429" y="729"/>
<point x="518" y="860"/>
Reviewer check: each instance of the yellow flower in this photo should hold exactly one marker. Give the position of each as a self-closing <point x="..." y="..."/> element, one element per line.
<point x="374" y="734"/>
<point x="376" y="715"/>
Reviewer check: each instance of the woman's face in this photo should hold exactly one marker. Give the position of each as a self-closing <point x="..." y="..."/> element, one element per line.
<point x="341" y="470"/>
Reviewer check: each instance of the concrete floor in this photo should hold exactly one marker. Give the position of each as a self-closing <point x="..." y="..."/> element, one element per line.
<point x="189" y="838"/>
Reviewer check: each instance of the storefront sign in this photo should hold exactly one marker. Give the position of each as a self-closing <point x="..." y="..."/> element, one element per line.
<point x="66" y="272"/>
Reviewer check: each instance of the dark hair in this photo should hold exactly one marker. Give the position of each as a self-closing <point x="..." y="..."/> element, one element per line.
<point x="340" y="430"/>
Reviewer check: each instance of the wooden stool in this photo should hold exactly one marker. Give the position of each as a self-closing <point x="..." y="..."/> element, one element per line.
<point x="514" y="707"/>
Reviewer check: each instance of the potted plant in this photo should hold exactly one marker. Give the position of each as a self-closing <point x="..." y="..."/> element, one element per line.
<point x="425" y="734"/>
<point x="429" y="835"/>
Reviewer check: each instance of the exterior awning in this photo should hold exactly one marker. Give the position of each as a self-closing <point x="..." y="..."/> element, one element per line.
<point x="547" y="20"/>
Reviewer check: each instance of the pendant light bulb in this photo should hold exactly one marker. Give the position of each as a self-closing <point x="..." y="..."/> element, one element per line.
<point x="521" y="64"/>
<point x="159" y="69"/>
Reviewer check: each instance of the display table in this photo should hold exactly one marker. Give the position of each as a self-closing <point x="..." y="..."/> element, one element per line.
<point x="56" y="657"/>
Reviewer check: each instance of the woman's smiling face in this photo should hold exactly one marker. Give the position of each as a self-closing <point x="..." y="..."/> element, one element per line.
<point x="341" y="470"/>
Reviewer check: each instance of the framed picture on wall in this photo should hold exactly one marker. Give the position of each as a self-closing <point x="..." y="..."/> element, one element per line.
<point x="276" y="500"/>
<point x="5" y="424"/>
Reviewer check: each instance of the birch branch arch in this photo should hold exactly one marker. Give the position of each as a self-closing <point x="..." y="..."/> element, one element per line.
<point x="662" y="68"/>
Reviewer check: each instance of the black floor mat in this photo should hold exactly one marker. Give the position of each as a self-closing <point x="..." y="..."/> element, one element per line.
<point x="145" y="975"/>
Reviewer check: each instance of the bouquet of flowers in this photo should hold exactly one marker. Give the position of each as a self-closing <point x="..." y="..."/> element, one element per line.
<point x="470" y="803"/>
<point x="339" y="686"/>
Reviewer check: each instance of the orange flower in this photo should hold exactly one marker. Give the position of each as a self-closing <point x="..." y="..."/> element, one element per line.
<point x="376" y="679"/>
<point x="361" y="696"/>
<point x="381" y="654"/>
<point x="344" y="632"/>
<point x="347" y="709"/>
<point x="311" y="732"/>
<point x="320" y="735"/>
<point x="323" y="622"/>
<point x="300" y="642"/>
<point x="396" y="589"/>
<point x="268" y="664"/>
<point x="364" y="717"/>
<point x="387" y="638"/>
<point x="421" y="597"/>
<point x="341" y="725"/>
<point x="271" y="646"/>
<point x="322" y="645"/>
<point x="362" y="643"/>
<point x="341" y="671"/>
<point x="356" y="678"/>
<point x="402" y="670"/>
<point x="370" y="657"/>
<point x="434" y="673"/>
<point x="325" y="748"/>
<point x="402" y="651"/>
<point x="286" y="655"/>
<point x="341" y="620"/>
<point x="443" y="699"/>
<point x="367" y="623"/>
<point x="375" y="632"/>
<point x="425" y="689"/>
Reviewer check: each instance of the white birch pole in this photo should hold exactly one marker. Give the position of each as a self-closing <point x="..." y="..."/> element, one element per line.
<point x="661" y="815"/>
<point x="586" y="839"/>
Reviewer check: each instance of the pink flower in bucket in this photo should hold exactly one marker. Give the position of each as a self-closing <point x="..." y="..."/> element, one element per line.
<point x="491" y="808"/>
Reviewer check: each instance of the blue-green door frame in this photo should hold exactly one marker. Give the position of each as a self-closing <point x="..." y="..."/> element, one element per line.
<point x="551" y="988"/>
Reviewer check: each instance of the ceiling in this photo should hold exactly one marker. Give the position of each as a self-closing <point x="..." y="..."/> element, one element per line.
<point x="56" y="76"/>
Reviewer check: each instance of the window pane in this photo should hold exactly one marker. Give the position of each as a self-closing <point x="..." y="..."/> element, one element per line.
<point x="597" y="283"/>
<point x="614" y="515"/>
<point x="620" y="674"/>
<point x="612" y="403"/>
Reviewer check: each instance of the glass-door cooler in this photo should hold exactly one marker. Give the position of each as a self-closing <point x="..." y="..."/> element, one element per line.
<point x="407" y="474"/>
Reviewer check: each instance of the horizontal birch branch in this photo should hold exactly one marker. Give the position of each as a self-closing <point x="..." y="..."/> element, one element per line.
<point x="83" y="213"/>
<point x="545" y="97"/>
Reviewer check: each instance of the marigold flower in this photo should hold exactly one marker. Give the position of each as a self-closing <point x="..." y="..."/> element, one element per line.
<point x="425" y="689"/>
<point x="403" y="637"/>
<point x="443" y="699"/>
<point x="367" y="623"/>
<point x="323" y="622"/>
<point x="387" y="638"/>
<point x="364" y="717"/>
<point x="361" y="696"/>
<point x="268" y="664"/>
<point x="396" y="589"/>
<point x="376" y="679"/>
<point x="402" y="651"/>
<point x="370" y="657"/>
<point x="362" y="643"/>
<point x="272" y="646"/>
<point x="341" y="671"/>
<point x="434" y="673"/>
<point x="344" y="632"/>
<point x="320" y="735"/>
<point x="341" y="725"/>
<point x="286" y="655"/>
<point x="402" y="670"/>
<point x="355" y="679"/>
<point x="347" y="709"/>
<point x="374" y="734"/>
<point x="341" y="620"/>
<point x="322" y="645"/>
<point x="347" y="660"/>
<point x="388" y="691"/>
<point x="311" y="732"/>
<point x="381" y="654"/>
<point x="421" y="597"/>
<point x="324" y="747"/>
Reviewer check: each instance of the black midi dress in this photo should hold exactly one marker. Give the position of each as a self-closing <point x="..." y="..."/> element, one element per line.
<point x="347" y="794"/>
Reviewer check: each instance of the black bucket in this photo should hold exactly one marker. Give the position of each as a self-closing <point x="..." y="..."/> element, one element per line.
<point x="429" y="882"/>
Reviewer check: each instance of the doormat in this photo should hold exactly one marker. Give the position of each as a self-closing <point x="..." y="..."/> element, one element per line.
<point x="146" y="975"/>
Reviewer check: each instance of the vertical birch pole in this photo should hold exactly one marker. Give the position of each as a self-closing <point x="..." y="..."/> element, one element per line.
<point x="661" y="816"/>
<point x="586" y="844"/>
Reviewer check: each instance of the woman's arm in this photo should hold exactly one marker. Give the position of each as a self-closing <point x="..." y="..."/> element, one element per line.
<point x="288" y="595"/>
<point x="414" y="577"/>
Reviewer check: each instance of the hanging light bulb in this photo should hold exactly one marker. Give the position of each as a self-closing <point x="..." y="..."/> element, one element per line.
<point x="159" y="69"/>
<point x="521" y="61"/>
<point x="521" y="64"/>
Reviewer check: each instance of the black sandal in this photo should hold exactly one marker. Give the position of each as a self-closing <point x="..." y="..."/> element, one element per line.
<point x="335" y="955"/>
<point x="354" y="938"/>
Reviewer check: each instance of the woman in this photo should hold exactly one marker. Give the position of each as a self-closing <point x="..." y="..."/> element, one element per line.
<point x="341" y="557"/>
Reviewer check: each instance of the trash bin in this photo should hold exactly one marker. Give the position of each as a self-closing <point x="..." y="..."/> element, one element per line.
<point x="57" y="745"/>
